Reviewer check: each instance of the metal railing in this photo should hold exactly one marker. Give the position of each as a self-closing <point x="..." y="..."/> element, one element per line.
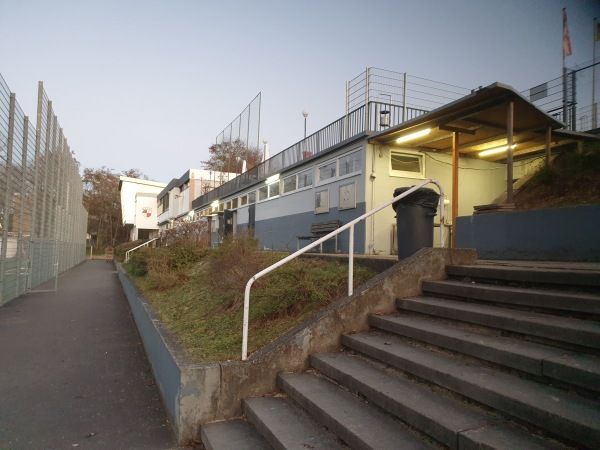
<point x="372" y="94"/>
<point x="145" y="244"/>
<point x="349" y="225"/>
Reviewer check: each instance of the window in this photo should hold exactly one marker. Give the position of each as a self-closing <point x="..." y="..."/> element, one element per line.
<point x="327" y="171"/>
<point x="269" y="191"/>
<point x="322" y="202"/>
<point x="243" y="200"/>
<point x="350" y="163"/>
<point x="305" y="179"/>
<point x="289" y="184"/>
<point x="163" y="204"/>
<point x="405" y="164"/>
<point x="297" y="181"/>
<point x="251" y="197"/>
<point x="263" y="193"/>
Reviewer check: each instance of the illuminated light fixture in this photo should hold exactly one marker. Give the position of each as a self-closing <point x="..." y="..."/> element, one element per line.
<point x="191" y="213"/>
<point x="414" y="135"/>
<point x="272" y="179"/>
<point x="215" y="204"/>
<point x="493" y="151"/>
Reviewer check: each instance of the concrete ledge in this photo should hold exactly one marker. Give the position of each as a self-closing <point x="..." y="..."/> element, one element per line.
<point x="198" y="393"/>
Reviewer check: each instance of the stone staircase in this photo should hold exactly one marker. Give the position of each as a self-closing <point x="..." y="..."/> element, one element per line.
<point x="497" y="356"/>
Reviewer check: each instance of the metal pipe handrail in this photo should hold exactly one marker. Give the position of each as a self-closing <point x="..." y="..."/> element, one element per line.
<point x="128" y="252"/>
<point x="349" y="225"/>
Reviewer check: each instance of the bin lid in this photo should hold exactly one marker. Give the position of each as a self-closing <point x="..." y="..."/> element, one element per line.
<point x="424" y="197"/>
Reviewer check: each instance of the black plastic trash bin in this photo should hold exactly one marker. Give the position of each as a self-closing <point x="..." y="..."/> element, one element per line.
<point x="414" y="219"/>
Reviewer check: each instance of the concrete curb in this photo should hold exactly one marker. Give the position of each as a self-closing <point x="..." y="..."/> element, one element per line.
<point x="194" y="394"/>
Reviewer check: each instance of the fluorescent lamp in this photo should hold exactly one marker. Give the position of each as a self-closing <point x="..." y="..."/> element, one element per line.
<point x="272" y="179"/>
<point x="493" y="151"/>
<point x="414" y="135"/>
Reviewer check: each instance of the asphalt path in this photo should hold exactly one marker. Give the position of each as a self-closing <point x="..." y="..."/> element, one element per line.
<point x="73" y="373"/>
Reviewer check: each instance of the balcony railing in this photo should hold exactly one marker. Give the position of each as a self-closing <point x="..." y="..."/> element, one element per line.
<point x="351" y="125"/>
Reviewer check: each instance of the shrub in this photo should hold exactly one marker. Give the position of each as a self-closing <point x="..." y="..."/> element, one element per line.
<point x="138" y="264"/>
<point x="232" y="263"/>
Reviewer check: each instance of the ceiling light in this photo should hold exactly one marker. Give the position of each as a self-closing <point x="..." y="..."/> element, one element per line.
<point x="272" y="179"/>
<point x="493" y="151"/>
<point x="414" y="135"/>
<point x="215" y="204"/>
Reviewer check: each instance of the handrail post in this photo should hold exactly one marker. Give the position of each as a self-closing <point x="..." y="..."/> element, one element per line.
<point x="350" y="226"/>
<point x="351" y="262"/>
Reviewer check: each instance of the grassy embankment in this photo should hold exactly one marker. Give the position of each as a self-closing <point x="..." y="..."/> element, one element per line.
<point x="198" y="293"/>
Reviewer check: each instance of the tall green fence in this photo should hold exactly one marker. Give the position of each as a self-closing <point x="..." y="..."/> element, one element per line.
<point x="42" y="219"/>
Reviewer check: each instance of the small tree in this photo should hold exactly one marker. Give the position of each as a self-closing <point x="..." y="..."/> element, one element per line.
<point x="228" y="156"/>
<point x="102" y="201"/>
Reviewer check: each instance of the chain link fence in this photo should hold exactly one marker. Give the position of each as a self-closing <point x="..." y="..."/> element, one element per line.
<point x="42" y="219"/>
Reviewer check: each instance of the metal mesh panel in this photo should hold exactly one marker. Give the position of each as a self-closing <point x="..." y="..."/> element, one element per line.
<point x="42" y="219"/>
<point x="573" y="99"/>
<point x="408" y="95"/>
<point x="245" y="127"/>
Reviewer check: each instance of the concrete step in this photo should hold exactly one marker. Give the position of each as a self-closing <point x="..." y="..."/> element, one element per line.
<point x="538" y="359"/>
<point x="535" y="275"/>
<point x="506" y="436"/>
<point x="552" y="299"/>
<point x="286" y="426"/>
<point x="442" y="418"/>
<point x="553" y="410"/>
<point x="232" y="435"/>
<point x="358" y="424"/>
<point x="584" y="333"/>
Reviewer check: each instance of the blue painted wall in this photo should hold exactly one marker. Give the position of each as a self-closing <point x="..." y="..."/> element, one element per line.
<point x="280" y="233"/>
<point x="559" y="234"/>
<point x="165" y="369"/>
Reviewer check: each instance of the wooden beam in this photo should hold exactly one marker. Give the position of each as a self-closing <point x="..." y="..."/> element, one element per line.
<point x="455" y="155"/>
<point x="457" y="129"/>
<point x="509" y="151"/>
<point x="548" y="144"/>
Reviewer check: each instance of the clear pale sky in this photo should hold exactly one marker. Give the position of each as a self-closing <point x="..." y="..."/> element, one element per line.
<point x="149" y="84"/>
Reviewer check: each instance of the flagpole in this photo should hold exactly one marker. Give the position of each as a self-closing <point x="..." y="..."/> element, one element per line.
<point x="564" y="68"/>
<point x="594" y="108"/>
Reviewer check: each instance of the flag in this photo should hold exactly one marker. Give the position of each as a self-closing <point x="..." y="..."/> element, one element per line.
<point x="566" y="39"/>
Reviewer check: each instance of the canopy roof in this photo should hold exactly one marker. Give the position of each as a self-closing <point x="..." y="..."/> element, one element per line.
<point x="481" y="118"/>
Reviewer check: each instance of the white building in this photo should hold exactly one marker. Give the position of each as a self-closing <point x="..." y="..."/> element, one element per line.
<point x="174" y="201"/>
<point x="139" y="206"/>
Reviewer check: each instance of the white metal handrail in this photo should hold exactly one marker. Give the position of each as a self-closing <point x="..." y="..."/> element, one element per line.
<point x="349" y="225"/>
<point x="128" y="252"/>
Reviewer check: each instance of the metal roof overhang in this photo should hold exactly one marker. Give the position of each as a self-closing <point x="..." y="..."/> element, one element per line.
<point x="482" y="121"/>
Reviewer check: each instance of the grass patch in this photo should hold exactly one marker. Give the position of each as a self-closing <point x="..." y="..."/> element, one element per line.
<point x="201" y="301"/>
<point x="572" y="179"/>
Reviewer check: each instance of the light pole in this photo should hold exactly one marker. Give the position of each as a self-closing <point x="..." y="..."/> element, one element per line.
<point x="305" y="114"/>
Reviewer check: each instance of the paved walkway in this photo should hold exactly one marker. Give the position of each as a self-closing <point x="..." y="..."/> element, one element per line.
<point x="73" y="373"/>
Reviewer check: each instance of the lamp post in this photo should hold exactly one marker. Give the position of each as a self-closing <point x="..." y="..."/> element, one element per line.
<point x="305" y="114"/>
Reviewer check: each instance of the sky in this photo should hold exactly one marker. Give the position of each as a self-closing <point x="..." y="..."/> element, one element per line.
<point x="149" y="84"/>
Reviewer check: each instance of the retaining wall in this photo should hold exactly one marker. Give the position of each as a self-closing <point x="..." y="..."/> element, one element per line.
<point x="558" y="234"/>
<point x="198" y="393"/>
